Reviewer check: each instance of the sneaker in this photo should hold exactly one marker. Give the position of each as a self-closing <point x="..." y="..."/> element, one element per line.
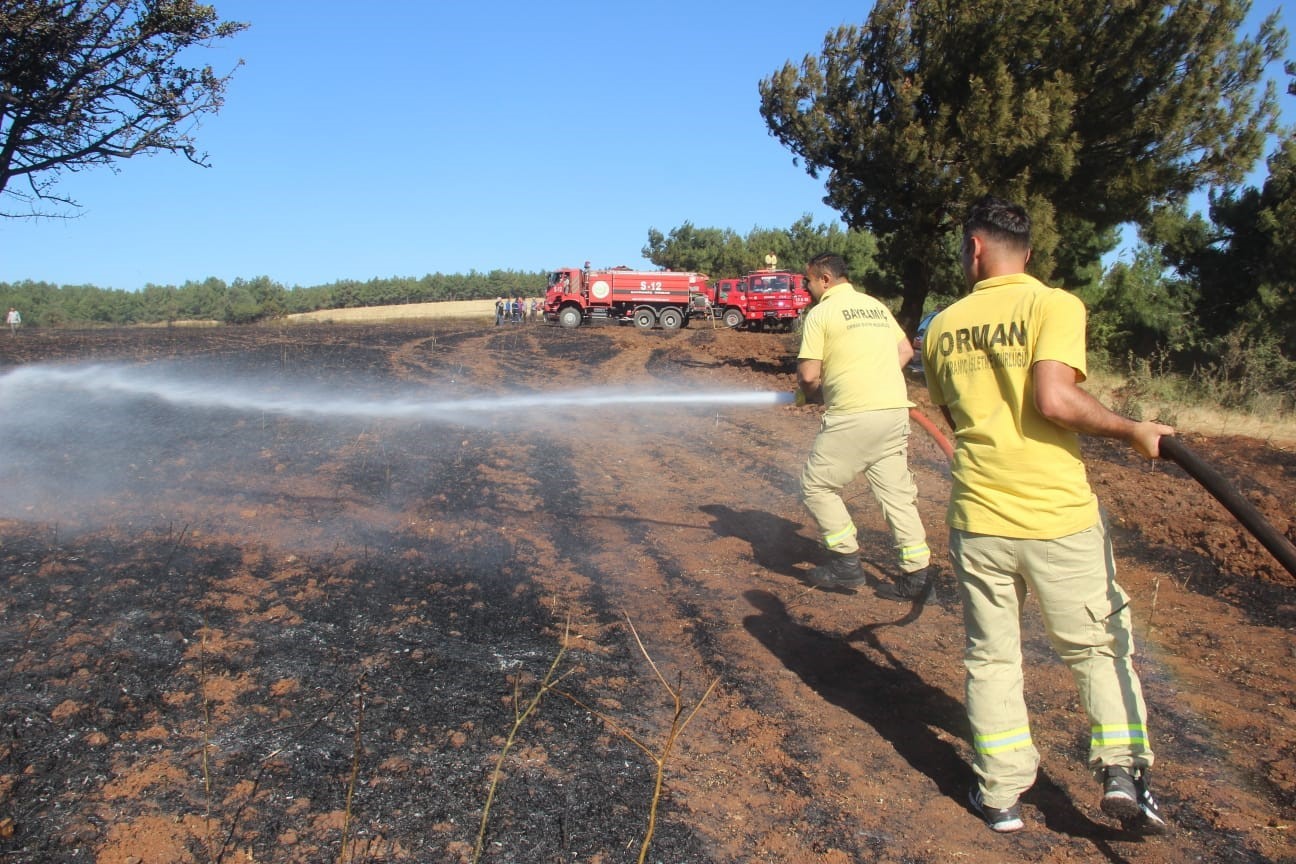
<point x="1120" y="794"/>
<point x="1127" y="797"/>
<point x="841" y="571"/>
<point x="913" y="587"/>
<point x="1151" y="821"/>
<point x="1002" y="820"/>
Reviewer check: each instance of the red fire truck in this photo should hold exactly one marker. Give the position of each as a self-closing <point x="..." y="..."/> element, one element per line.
<point x="648" y="298"/>
<point x="773" y="298"/>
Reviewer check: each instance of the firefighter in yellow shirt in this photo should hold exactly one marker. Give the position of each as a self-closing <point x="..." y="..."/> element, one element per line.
<point x="1004" y="363"/>
<point x="852" y="353"/>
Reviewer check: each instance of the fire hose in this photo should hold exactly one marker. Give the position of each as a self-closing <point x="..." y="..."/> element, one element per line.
<point x="941" y="441"/>
<point x="1173" y="449"/>
<point x="1245" y="512"/>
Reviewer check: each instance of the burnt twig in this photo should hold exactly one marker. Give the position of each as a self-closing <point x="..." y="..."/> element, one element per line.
<point x="678" y="722"/>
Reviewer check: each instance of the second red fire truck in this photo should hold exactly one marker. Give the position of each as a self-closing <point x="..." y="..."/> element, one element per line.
<point x="764" y="298"/>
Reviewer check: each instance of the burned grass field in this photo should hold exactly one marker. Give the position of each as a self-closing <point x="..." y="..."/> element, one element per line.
<point x="235" y="634"/>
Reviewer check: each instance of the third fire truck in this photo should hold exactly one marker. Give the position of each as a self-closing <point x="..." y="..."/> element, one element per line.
<point x="764" y="298"/>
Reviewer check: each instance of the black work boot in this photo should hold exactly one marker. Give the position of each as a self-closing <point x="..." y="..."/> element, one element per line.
<point x="913" y="587"/>
<point x="842" y="571"/>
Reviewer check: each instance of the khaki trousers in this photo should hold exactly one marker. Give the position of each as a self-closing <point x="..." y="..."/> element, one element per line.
<point x="1087" y="619"/>
<point x="877" y="444"/>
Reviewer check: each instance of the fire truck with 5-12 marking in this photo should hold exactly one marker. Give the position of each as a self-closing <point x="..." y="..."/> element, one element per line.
<point x="646" y="298"/>
<point x="669" y="299"/>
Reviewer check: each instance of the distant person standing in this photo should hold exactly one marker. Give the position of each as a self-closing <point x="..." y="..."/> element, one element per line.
<point x="851" y="357"/>
<point x="1004" y="364"/>
<point x="499" y="311"/>
<point x="13" y="319"/>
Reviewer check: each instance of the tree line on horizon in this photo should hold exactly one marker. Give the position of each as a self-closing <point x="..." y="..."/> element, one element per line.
<point x="247" y="301"/>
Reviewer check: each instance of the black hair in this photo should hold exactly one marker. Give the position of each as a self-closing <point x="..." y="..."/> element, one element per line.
<point x="829" y="263"/>
<point x="1001" y="220"/>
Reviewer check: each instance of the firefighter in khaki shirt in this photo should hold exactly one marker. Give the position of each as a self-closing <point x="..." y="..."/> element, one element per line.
<point x="852" y="353"/>
<point x="1004" y="363"/>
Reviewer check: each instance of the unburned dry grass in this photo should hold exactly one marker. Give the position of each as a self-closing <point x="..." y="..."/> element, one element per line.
<point x="401" y="312"/>
<point x="1146" y="402"/>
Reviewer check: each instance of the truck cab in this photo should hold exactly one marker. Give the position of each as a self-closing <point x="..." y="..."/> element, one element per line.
<point x="565" y="289"/>
<point x="764" y="298"/>
<point x="566" y="281"/>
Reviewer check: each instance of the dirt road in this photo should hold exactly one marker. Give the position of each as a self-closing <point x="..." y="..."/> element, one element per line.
<point x="237" y="635"/>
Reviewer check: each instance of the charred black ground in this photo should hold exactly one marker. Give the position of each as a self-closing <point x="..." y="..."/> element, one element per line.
<point x="254" y="588"/>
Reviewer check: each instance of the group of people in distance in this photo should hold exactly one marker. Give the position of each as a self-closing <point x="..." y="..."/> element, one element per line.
<point x="1003" y="364"/>
<point x="517" y="310"/>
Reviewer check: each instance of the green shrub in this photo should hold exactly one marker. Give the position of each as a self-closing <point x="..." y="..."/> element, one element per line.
<point x="1249" y="372"/>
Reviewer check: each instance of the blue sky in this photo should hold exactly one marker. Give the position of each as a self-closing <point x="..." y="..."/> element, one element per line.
<point x="405" y="138"/>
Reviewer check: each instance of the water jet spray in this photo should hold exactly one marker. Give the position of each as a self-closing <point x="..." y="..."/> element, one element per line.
<point x="133" y="382"/>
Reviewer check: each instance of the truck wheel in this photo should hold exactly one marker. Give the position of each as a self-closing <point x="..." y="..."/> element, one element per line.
<point x="733" y="318"/>
<point x="570" y="317"/>
<point x="670" y="319"/>
<point x="645" y="318"/>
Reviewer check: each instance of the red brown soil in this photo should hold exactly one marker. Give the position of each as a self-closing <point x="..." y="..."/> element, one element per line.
<point x="294" y="634"/>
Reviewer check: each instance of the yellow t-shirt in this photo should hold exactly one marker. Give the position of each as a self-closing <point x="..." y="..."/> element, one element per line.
<point x="1015" y="474"/>
<point x="855" y="337"/>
